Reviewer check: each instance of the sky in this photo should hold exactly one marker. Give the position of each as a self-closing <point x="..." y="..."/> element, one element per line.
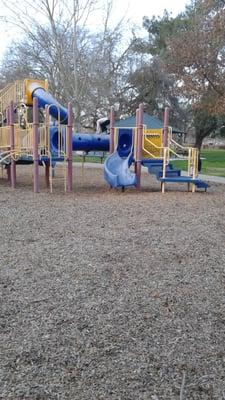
<point x="134" y="10"/>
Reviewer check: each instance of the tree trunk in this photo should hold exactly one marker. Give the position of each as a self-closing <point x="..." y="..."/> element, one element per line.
<point x="198" y="141"/>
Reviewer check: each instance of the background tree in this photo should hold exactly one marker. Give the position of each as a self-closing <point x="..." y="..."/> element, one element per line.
<point x="195" y="56"/>
<point x="81" y="66"/>
<point x="151" y="82"/>
<point x="183" y="62"/>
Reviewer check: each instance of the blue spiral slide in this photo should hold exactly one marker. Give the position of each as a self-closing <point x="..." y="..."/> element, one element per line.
<point x="117" y="166"/>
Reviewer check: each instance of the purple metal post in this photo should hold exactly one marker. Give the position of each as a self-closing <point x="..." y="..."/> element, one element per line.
<point x="136" y="140"/>
<point x="8" y="171"/>
<point x="47" y="127"/>
<point x="112" y="130"/>
<point x="35" y="145"/>
<point x="47" y="163"/>
<point x="139" y="145"/>
<point x="166" y="127"/>
<point x="69" y="149"/>
<point x="47" y="174"/>
<point x="12" y="145"/>
<point x="8" y="167"/>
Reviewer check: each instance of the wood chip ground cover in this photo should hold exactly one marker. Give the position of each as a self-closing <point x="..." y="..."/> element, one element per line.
<point x="110" y="295"/>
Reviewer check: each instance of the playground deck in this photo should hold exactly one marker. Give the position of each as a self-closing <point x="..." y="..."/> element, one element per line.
<point x="106" y="295"/>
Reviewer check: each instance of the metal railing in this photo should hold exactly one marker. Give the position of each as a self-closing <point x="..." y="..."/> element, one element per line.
<point x="191" y="158"/>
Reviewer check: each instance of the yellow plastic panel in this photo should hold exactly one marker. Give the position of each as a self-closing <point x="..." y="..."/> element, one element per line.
<point x="152" y="141"/>
<point x="30" y="86"/>
<point x="4" y="137"/>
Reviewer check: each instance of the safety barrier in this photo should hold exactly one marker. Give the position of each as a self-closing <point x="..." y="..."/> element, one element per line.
<point x="152" y="143"/>
<point x="13" y="92"/>
<point x="4" y="137"/>
<point x="192" y="155"/>
<point x="18" y="92"/>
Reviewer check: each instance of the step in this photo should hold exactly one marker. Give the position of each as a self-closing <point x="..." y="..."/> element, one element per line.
<point x="155" y="163"/>
<point x="156" y="169"/>
<point x="202" y="184"/>
<point x="147" y="161"/>
<point x="170" y="173"/>
<point x="185" y="179"/>
<point x="54" y="158"/>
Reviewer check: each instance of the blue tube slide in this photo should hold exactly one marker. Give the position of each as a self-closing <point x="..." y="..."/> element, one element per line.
<point x="45" y="98"/>
<point x="116" y="167"/>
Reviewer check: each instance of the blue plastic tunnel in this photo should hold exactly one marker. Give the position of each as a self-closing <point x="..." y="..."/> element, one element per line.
<point x="80" y="141"/>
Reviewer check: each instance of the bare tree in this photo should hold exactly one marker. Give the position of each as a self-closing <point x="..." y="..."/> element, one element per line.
<point x="81" y="66"/>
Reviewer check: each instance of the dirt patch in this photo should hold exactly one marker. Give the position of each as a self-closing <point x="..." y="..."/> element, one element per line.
<point x="110" y="295"/>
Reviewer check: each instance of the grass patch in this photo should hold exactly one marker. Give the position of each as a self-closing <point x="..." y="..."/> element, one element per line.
<point x="213" y="162"/>
<point x="90" y="159"/>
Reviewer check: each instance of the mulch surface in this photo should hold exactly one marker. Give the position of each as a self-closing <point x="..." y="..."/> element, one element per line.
<point x="111" y="295"/>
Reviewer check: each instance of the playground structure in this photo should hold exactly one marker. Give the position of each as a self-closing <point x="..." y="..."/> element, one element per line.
<point x="36" y="129"/>
<point x="151" y="148"/>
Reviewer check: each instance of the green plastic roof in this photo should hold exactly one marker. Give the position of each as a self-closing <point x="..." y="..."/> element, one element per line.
<point x="150" y="121"/>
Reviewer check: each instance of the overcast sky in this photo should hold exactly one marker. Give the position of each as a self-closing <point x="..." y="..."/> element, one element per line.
<point x="132" y="9"/>
<point x="136" y="9"/>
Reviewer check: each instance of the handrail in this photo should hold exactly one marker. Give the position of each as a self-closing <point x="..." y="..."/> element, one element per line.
<point x="2" y="119"/>
<point x="47" y="126"/>
<point x="147" y="151"/>
<point x="192" y="159"/>
<point x="153" y="144"/>
<point x="179" y="145"/>
<point x="193" y="162"/>
<point x="61" y="137"/>
<point x="166" y="160"/>
<point x="176" y="154"/>
<point x="8" y="154"/>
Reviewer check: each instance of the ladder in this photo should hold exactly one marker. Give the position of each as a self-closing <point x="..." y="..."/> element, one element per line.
<point x="61" y="160"/>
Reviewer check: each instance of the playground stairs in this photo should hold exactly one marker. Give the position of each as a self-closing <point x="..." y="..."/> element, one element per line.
<point x="155" y="167"/>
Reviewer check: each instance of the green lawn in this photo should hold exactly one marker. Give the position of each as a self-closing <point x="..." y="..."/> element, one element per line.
<point x="89" y="159"/>
<point x="213" y="162"/>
